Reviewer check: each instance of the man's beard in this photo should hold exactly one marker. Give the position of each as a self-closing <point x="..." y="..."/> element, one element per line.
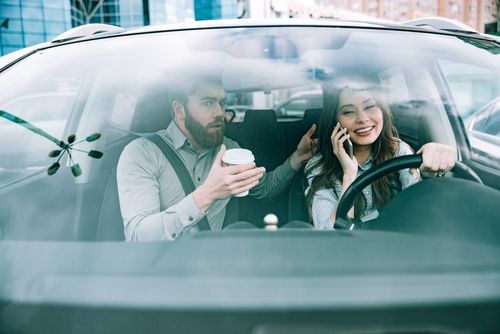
<point x="202" y="134"/>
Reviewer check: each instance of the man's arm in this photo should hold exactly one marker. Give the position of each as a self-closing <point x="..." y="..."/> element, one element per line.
<point x="140" y="171"/>
<point x="143" y="172"/>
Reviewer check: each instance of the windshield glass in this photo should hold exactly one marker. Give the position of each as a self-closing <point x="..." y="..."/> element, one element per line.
<point x="253" y="179"/>
<point x="79" y="100"/>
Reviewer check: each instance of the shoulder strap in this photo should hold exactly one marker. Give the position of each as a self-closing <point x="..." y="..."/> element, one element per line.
<point x="179" y="168"/>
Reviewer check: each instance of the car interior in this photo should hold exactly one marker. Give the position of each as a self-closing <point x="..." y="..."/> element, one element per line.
<point x="96" y="211"/>
<point x="271" y="145"/>
<point x="122" y="110"/>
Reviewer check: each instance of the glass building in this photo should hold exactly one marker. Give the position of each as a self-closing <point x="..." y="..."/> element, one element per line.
<point x="83" y="12"/>
<point x="215" y="9"/>
<point x="170" y="11"/>
<point x="27" y="22"/>
<point x="131" y="13"/>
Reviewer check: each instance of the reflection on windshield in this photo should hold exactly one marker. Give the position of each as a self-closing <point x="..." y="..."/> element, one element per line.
<point x="65" y="147"/>
<point x="73" y="102"/>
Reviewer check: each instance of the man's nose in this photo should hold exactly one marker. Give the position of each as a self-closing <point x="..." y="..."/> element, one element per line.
<point x="219" y="110"/>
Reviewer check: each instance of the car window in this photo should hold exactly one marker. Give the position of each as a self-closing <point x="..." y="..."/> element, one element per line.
<point x="471" y="86"/>
<point x="296" y="104"/>
<point x="489" y="122"/>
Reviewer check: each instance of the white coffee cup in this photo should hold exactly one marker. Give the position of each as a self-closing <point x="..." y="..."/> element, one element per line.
<point x="238" y="156"/>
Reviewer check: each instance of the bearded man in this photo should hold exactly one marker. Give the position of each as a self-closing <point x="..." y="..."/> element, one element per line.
<point x="153" y="203"/>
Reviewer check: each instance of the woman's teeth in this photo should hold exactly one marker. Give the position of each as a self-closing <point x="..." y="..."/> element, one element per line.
<point x="363" y="130"/>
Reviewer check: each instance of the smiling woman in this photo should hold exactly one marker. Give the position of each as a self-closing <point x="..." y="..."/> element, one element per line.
<point x="213" y="267"/>
<point x="353" y="110"/>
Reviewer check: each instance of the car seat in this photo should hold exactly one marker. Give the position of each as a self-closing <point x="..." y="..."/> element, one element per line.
<point x="262" y="134"/>
<point x="151" y="114"/>
<point x="297" y="206"/>
<point x="311" y="116"/>
<point x="410" y="119"/>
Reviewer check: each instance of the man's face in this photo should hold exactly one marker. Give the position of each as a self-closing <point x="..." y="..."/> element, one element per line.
<point x="205" y="115"/>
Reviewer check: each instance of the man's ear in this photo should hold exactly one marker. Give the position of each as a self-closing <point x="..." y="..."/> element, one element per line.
<point x="178" y="110"/>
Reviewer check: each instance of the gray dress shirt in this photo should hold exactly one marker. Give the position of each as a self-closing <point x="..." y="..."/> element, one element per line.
<point x="153" y="203"/>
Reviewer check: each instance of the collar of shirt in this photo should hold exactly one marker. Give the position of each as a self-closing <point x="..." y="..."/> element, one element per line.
<point x="179" y="140"/>
<point x="367" y="164"/>
<point x="175" y="135"/>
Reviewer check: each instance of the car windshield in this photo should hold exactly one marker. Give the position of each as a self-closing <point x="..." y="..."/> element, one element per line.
<point x="117" y="89"/>
<point x="321" y="220"/>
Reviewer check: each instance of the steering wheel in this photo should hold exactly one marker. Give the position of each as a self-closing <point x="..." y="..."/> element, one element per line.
<point x="408" y="161"/>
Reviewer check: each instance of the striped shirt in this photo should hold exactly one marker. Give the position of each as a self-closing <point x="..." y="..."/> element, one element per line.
<point x="325" y="200"/>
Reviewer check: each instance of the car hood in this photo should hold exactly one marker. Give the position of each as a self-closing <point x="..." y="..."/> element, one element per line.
<point x="226" y="270"/>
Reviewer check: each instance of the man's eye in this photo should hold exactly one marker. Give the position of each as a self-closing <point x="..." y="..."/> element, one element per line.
<point x="206" y="103"/>
<point x="370" y="106"/>
<point x="348" y="112"/>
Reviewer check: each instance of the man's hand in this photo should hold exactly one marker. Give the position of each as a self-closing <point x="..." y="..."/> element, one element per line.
<point x="305" y="149"/>
<point x="223" y="182"/>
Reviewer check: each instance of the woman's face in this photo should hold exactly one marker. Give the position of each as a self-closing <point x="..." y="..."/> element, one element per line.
<point x="360" y="114"/>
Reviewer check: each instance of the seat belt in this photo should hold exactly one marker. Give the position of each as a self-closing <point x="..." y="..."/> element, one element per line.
<point x="179" y="168"/>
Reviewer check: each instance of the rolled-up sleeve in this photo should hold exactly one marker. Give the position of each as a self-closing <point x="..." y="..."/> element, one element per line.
<point x="405" y="177"/>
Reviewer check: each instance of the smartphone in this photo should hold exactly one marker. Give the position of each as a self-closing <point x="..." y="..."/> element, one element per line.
<point x="348" y="147"/>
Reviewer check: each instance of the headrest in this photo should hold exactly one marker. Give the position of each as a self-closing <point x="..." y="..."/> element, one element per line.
<point x="261" y="116"/>
<point x="311" y="116"/>
<point x="152" y="112"/>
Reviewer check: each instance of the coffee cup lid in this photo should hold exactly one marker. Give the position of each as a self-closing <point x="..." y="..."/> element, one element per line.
<point x="236" y="156"/>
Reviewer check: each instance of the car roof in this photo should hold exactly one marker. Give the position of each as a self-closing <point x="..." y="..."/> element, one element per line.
<point x="244" y="23"/>
<point x="99" y="31"/>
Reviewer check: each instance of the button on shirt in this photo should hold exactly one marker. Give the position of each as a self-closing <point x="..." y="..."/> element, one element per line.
<point x="152" y="200"/>
<point x="325" y="200"/>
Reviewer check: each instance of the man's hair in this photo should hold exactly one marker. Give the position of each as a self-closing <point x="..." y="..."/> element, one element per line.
<point x="186" y="85"/>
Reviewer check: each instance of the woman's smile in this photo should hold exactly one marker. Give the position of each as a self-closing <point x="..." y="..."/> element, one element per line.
<point x="360" y="114"/>
<point x="364" y="131"/>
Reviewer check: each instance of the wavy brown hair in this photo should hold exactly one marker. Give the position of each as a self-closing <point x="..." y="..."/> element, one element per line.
<point x="384" y="148"/>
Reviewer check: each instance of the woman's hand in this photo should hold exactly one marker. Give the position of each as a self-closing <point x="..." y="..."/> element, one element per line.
<point x="437" y="157"/>
<point x="349" y="165"/>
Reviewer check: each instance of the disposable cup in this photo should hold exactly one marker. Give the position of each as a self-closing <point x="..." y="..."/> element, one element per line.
<point x="238" y="156"/>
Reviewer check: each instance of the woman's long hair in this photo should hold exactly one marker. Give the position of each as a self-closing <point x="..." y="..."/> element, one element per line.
<point x="385" y="147"/>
